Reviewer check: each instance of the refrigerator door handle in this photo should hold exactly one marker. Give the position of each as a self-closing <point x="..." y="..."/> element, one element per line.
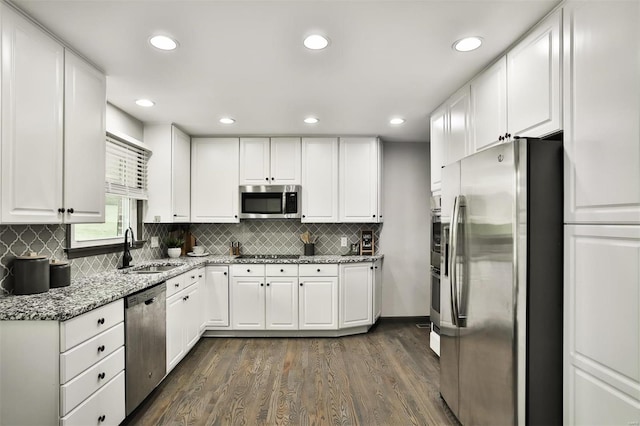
<point x="453" y="285"/>
<point x="461" y="318"/>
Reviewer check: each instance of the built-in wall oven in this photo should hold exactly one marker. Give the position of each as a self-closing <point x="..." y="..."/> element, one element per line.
<point x="436" y="249"/>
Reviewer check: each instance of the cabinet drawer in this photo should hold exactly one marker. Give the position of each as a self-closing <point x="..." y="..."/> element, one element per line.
<point x="176" y="284"/>
<point x="85" y="355"/>
<point x="85" y="326"/>
<point x="247" y="270"/>
<point x="319" y="270"/>
<point x="191" y="277"/>
<point x="282" y="270"/>
<point x="105" y="407"/>
<point x="78" y="389"/>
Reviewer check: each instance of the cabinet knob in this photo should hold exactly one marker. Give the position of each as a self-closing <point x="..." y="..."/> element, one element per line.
<point x="267" y="179"/>
<point x="304" y="216"/>
<point x="101" y="375"/>
<point x="300" y="284"/>
<point x="225" y="273"/>
<point x="193" y="277"/>
<point x="273" y="178"/>
<point x="70" y="211"/>
<point x="101" y="348"/>
<point x="199" y="276"/>
<point x="374" y="215"/>
<point x="375" y="267"/>
<point x="281" y="270"/>
<point x="101" y="418"/>
<point x="235" y="216"/>
<point x="176" y="285"/>
<point x="501" y="138"/>
<point x="371" y="268"/>
<point x="61" y="210"/>
<point x="268" y="284"/>
<point x="100" y="321"/>
<point x="318" y="269"/>
<point x="261" y="284"/>
<point x="248" y="270"/>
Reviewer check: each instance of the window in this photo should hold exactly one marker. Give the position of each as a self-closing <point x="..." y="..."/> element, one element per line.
<point x="125" y="186"/>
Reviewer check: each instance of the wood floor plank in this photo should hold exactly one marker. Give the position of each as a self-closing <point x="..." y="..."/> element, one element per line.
<point x="385" y="377"/>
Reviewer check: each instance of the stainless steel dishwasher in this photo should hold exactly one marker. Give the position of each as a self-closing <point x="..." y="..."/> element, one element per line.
<point x="145" y="343"/>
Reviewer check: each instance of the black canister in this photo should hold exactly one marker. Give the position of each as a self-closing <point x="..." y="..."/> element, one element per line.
<point x="309" y="249"/>
<point x="59" y="274"/>
<point x="30" y="274"/>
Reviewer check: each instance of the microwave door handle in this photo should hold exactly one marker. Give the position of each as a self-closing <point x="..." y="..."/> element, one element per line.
<point x="452" y="256"/>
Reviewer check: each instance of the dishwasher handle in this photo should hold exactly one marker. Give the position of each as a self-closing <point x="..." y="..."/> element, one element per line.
<point x="150" y="301"/>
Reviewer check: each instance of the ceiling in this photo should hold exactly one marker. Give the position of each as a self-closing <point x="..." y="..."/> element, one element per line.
<point x="245" y="59"/>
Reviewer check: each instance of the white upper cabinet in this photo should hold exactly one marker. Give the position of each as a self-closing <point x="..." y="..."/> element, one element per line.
<point x="489" y="106"/>
<point x="32" y="122"/>
<point x="458" y="128"/>
<point x="169" y="183"/>
<point x="533" y="81"/>
<point x="319" y="180"/>
<point x="438" y="130"/>
<point x="274" y="161"/>
<point x="84" y="139"/>
<point x="359" y="179"/>
<point x="214" y="180"/>
<point x="601" y="112"/>
<point x="47" y="95"/>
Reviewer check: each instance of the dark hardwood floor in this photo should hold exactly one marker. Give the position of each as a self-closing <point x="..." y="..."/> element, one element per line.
<point x="388" y="376"/>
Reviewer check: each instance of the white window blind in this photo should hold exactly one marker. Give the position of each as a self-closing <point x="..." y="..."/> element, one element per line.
<point x="126" y="169"/>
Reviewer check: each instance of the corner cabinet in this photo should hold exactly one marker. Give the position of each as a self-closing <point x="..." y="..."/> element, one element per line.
<point x="270" y="161"/>
<point x="319" y="180"/>
<point x="52" y="114"/>
<point x="214" y="180"/>
<point x="360" y="180"/>
<point x="169" y="174"/>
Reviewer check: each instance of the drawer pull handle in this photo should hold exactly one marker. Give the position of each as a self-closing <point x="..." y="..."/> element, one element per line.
<point x="193" y="277"/>
<point x="248" y="270"/>
<point x="100" y="321"/>
<point x="101" y="418"/>
<point x="101" y="375"/>
<point x="177" y="285"/>
<point x="101" y="348"/>
<point x="199" y="276"/>
<point x="318" y="269"/>
<point x="281" y="270"/>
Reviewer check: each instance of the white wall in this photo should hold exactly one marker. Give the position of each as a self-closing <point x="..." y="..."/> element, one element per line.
<point x="119" y="122"/>
<point x="406" y="232"/>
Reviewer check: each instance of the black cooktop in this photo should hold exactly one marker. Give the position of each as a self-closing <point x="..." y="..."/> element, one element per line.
<point x="268" y="256"/>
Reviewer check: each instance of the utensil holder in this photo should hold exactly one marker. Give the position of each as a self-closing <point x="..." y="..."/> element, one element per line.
<point x="309" y="249"/>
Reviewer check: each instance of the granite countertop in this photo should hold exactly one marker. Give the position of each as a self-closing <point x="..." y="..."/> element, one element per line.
<point x="88" y="293"/>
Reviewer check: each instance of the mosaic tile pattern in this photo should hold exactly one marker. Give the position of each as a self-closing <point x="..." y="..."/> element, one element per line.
<point x="279" y="236"/>
<point x="255" y="237"/>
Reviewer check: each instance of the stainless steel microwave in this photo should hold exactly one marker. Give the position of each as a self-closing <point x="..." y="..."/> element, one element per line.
<point x="269" y="201"/>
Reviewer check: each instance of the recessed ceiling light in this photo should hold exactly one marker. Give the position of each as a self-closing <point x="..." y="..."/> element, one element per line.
<point x="316" y="42"/>
<point x="396" y="120"/>
<point x="163" y="42"/>
<point x="145" y="103"/>
<point x="311" y="120"/>
<point x="467" y="44"/>
<point x="227" y="120"/>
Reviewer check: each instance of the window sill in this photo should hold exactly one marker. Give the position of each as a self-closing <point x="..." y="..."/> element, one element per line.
<point x="74" y="253"/>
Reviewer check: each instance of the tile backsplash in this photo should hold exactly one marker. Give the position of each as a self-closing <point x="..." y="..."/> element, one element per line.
<point x="255" y="237"/>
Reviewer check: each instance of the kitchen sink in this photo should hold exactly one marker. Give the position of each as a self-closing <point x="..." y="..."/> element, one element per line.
<point x="152" y="269"/>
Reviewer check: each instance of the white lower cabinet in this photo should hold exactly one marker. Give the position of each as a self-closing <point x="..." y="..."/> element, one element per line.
<point x="281" y="303"/>
<point x="216" y="297"/>
<point x="184" y="317"/>
<point x="105" y="407"/>
<point x="318" y="299"/>
<point x="602" y="324"/>
<point x="377" y="289"/>
<point x="248" y="303"/>
<point x="356" y="294"/>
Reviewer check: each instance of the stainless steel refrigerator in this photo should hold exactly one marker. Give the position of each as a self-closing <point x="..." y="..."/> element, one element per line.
<point x="501" y="285"/>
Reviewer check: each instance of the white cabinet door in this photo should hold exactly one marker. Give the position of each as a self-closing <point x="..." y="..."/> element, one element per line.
<point x="175" y="330"/>
<point x="358" y="179"/>
<point x="457" y="133"/>
<point x="181" y="176"/>
<point x="32" y="122"/>
<point x="489" y="106"/>
<point x="285" y="161"/>
<point x="84" y="141"/>
<point x="356" y="294"/>
<point x="601" y="110"/>
<point x="254" y="161"/>
<point x="282" y="303"/>
<point x="602" y="324"/>
<point x="193" y="314"/>
<point x="318" y="303"/>
<point x="438" y="133"/>
<point x="248" y="296"/>
<point x="377" y="289"/>
<point x="533" y="81"/>
<point x="319" y="180"/>
<point x="216" y="296"/>
<point x="214" y="180"/>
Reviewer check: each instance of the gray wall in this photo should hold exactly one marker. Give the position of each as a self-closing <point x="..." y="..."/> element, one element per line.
<point x="406" y="233"/>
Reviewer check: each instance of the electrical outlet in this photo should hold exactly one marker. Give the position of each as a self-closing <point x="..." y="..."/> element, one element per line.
<point x="154" y="242"/>
<point x="343" y="242"/>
